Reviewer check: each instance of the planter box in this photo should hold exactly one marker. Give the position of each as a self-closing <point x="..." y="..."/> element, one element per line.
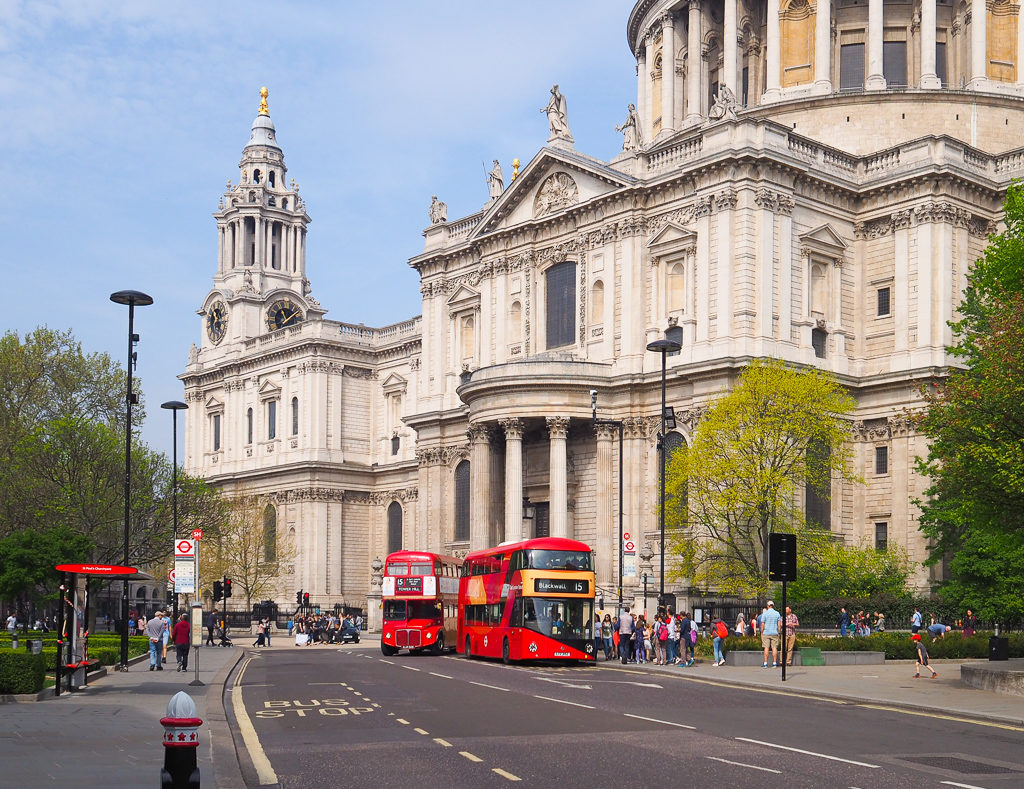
<point x="831" y="658"/>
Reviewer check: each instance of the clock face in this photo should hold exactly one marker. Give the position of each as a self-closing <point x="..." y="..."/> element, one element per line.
<point x="217" y="322"/>
<point x="281" y="314"/>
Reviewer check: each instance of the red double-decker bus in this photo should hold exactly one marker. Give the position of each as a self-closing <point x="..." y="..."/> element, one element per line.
<point x="529" y="600"/>
<point x="420" y="597"/>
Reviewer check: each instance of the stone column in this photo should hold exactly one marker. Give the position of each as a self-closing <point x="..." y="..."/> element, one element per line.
<point x="929" y="79"/>
<point x="729" y="50"/>
<point x="479" y="486"/>
<point x="607" y="521"/>
<point x="668" y="73"/>
<point x="558" y="498"/>
<point x="979" y="59"/>
<point x="773" y="55"/>
<point x="876" y="78"/>
<point x="643" y="109"/>
<point x="649" y="87"/>
<point x="513" y="478"/>
<point x="693" y="67"/>
<point x="823" y="46"/>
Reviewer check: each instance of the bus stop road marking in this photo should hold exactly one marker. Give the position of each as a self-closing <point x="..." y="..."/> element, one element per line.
<point x="492" y="687"/>
<point x="656" y="720"/>
<point x="421" y="731"/>
<point x="561" y="701"/>
<point x="403" y="721"/>
<point x="470" y="756"/>
<point x="505" y="774"/>
<point x="443" y="743"/>
<point x="264" y="771"/>
<point x="741" y="764"/>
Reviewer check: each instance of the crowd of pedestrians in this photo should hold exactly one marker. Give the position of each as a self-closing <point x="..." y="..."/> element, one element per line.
<point x="669" y="639"/>
<point x="325" y="628"/>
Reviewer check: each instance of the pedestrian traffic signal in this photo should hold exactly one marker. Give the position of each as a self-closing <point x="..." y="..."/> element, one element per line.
<point x="218" y="591"/>
<point x="298" y="597"/>
<point x="305" y="598"/>
<point x="227" y="588"/>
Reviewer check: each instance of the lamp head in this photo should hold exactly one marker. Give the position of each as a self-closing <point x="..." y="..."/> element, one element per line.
<point x="664" y="346"/>
<point x="173" y="405"/>
<point x="132" y="297"/>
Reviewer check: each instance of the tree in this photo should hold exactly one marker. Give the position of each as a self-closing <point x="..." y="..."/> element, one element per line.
<point x="249" y="549"/>
<point x="974" y="511"/>
<point x="742" y="477"/>
<point x="829" y="570"/>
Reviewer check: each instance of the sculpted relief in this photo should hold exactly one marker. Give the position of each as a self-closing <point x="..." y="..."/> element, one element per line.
<point x="557" y="191"/>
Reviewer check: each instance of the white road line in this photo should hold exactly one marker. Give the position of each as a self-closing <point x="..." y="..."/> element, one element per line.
<point x="442" y="676"/>
<point x="492" y="687"/>
<point x="504" y="774"/>
<point x="389" y="662"/>
<point x="657" y="720"/>
<point x="809" y="753"/>
<point x="965" y="786"/>
<point x="411" y="668"/>
<point x="561" y="701"/>
<point x="264" y="772"/>
<point x="741" y="764"/>
<point x="421" y="731"/>
<point x="403" y="721"/>
<point x="470" y="756"/>
<point x="443" y="743"/>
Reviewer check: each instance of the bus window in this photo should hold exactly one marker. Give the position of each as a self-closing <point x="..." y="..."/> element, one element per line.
<point x="421" y="568"/>
<point x="425" y="609"/>
<point x="397" y="568"/>
<point x="394" y="610"/>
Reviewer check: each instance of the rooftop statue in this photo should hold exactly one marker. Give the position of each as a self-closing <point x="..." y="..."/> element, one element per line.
<point x="438" y="211"/>
<point x="630" y="128"/>
<point x="495" y="181"/>
<point x="558" y="117"/>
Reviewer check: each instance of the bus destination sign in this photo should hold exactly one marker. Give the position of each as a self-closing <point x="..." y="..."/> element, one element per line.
<point x="560" y="586"/>
<point x="408" y="585"/>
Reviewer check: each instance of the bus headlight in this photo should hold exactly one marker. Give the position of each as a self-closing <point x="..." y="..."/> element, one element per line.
<point x="590" y="649"/>
<point x="430" y="636"/>
<point x="533" y="646"/>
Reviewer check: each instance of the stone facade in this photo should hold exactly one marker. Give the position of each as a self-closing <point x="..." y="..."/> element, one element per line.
<point x="829" y="229"/>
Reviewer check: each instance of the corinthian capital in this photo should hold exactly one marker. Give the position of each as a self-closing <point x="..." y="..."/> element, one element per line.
<point x="558" y="426"/>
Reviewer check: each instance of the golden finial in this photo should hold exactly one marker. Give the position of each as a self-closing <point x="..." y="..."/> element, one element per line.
<point x="263" y="101"/>
<point x="515" y="169"/>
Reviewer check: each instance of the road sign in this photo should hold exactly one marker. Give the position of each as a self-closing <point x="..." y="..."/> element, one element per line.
<point x="96" y="569"/>
<point x="184" y="573"/>
<point x="197" y="534"/>
<point x="184" y="549"/>
<point x="630" y="546"/>
<point x="170" y="576"/>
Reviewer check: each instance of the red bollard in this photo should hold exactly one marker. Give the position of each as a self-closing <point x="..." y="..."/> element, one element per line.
<point x="181" y="740"/>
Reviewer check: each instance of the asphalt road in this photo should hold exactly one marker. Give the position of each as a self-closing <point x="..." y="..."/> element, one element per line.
<point x="349" y="717"/>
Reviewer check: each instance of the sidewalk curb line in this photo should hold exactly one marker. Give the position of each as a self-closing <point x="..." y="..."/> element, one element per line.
<point x="741" y="683"/>
<point x="223" y="752"/>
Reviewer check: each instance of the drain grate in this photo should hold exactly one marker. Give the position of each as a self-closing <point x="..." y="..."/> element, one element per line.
<point x="956" y="764"/>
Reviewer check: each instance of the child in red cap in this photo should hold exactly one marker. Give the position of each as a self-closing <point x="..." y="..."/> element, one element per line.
<point x="922" y="656"/>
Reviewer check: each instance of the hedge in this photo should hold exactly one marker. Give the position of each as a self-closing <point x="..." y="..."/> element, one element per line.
<point x="897" y="646"/>
<point x="21" y="672"/>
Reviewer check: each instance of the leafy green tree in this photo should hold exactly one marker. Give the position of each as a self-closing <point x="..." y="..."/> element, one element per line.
<point x="974" y="513"/>
<point x="744" y="474"/>
<point x="827" y="569"/>
<point x="27" y="559"/>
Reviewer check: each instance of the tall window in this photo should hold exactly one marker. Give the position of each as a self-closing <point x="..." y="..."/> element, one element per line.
<point x="819" y="339"/>
<point x="561" y="304"/>
<point x="515" y="320"/>
<point x="881" y="536"/>
<point x="851" y="67"/>
<point x="462" y="502"/>
<point x="940" y="63"/>
<point x="248" y="426"/>
<point x="884" y="301"/>
<point x="597" y="303"/>
<point x="746" y="85"/>
<point x="271" y="419"/>
<point x="881" y="460"/>
<point x="269" y="534"/>
<point x="216" y="432"/>
<point x="894" y="63"/>
<point x="816" y="491"/>
<point x="676" y="287"/>
<point x="394" y="527"/>
<point x="295" y="416"/>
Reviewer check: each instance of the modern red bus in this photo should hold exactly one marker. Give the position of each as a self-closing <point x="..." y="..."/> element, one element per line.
<point x="420" y="597"/>
<point x="529" y="600"/>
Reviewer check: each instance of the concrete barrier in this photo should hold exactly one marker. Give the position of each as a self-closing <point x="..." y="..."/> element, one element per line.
<point x="1006" y="678"/>
<point x="840" y="658"/>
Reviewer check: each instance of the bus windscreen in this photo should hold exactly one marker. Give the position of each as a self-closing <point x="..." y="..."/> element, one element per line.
<point x="401" y="610"/>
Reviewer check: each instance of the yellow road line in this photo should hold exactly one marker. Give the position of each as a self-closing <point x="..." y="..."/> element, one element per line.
<point x="940" y="716"/>
<point x="470" y="756"/>
<point x="264" y="772"/>
<point x="421" y="731"/>
<point x="444" y="743"/>
<point x="508" y="775"/>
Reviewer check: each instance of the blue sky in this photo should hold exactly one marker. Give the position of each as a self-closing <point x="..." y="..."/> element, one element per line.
<point x="124" y="120"/>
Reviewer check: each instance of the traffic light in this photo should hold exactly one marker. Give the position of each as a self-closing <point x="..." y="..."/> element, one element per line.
<point x="781" y="557"/>
<point x="227" y="588"/>
<point x="305" y="598"/>
<point x="298" y="597"/>
<point x="218" y="591"/>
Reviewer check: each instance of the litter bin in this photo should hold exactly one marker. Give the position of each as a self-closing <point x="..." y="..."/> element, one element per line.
<point x="998" y="648"/>
<point x="35" y="646"/>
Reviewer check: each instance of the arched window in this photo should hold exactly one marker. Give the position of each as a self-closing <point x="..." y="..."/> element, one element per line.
<point x="819" y="289"/>
<point x="515" y="320"/>
<point x="248" y="426"/>
<point x="462" y="502"/>
<point x="271" y="177"/>
<point x="597" y="303"/>
<point x="468" y="338"/>
<point x="394" y="527"/>
<point x="269" y="534"/>
<point x="676" y="287"/>
<point x="560" y="280"/>
<point x="295" y="416"/>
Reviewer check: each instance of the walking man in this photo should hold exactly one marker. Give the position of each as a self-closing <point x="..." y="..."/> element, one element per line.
<point x="211" y="625"/>
<point x="792" y="623"/>
<point x="155" y="632"/>
<point x="182" y="635"/>
<point x="770" y="634"/>
<point x="844" y="623"/>
<point x="625" y="634"/>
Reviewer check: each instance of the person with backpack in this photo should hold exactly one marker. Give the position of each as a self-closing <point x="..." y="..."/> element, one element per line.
<point x="672" y="642"/>
<point x="659" y="638"/>
<point x="720" y="632"/>
<point x="687" y="631"/>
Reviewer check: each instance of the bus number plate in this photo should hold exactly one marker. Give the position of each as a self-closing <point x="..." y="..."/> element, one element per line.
<point x="560" y="586"/>
<point x="409" y="585"/>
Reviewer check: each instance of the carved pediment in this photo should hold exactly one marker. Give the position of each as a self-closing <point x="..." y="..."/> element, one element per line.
<point x="672" y="240"/>
<point x="269" y="390"/>
<point x="825" y="241"/>
<point x="213" y="405"/>
<point x="464" y="298"/>
<point x="394" y="383"/>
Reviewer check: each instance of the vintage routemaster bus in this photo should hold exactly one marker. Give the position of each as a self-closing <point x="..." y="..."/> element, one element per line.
<point x="529" y="600"/>
<point x="420" y="597"/>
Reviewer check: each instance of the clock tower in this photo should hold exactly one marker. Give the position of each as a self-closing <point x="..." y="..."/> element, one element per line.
<point x="261" y="284"/>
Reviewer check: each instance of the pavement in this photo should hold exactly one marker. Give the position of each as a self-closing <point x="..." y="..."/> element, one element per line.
<point x="101" y="736"/>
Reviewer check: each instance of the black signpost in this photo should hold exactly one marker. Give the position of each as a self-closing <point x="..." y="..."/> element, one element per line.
<point x="782" y="567"/>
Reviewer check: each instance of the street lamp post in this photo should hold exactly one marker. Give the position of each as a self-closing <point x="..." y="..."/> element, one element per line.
<point x="132" y="298"/>
<point x="664" y="347"/>
<point x="612" y="423"/>
<point x="174" y="406"/>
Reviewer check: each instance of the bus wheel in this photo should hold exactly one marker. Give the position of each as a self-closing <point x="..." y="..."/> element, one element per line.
<point x="468" y="652"/>
<point x="439" y="644"/>
<point x="388" y="650"/>
<point x="505" y="656"/>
